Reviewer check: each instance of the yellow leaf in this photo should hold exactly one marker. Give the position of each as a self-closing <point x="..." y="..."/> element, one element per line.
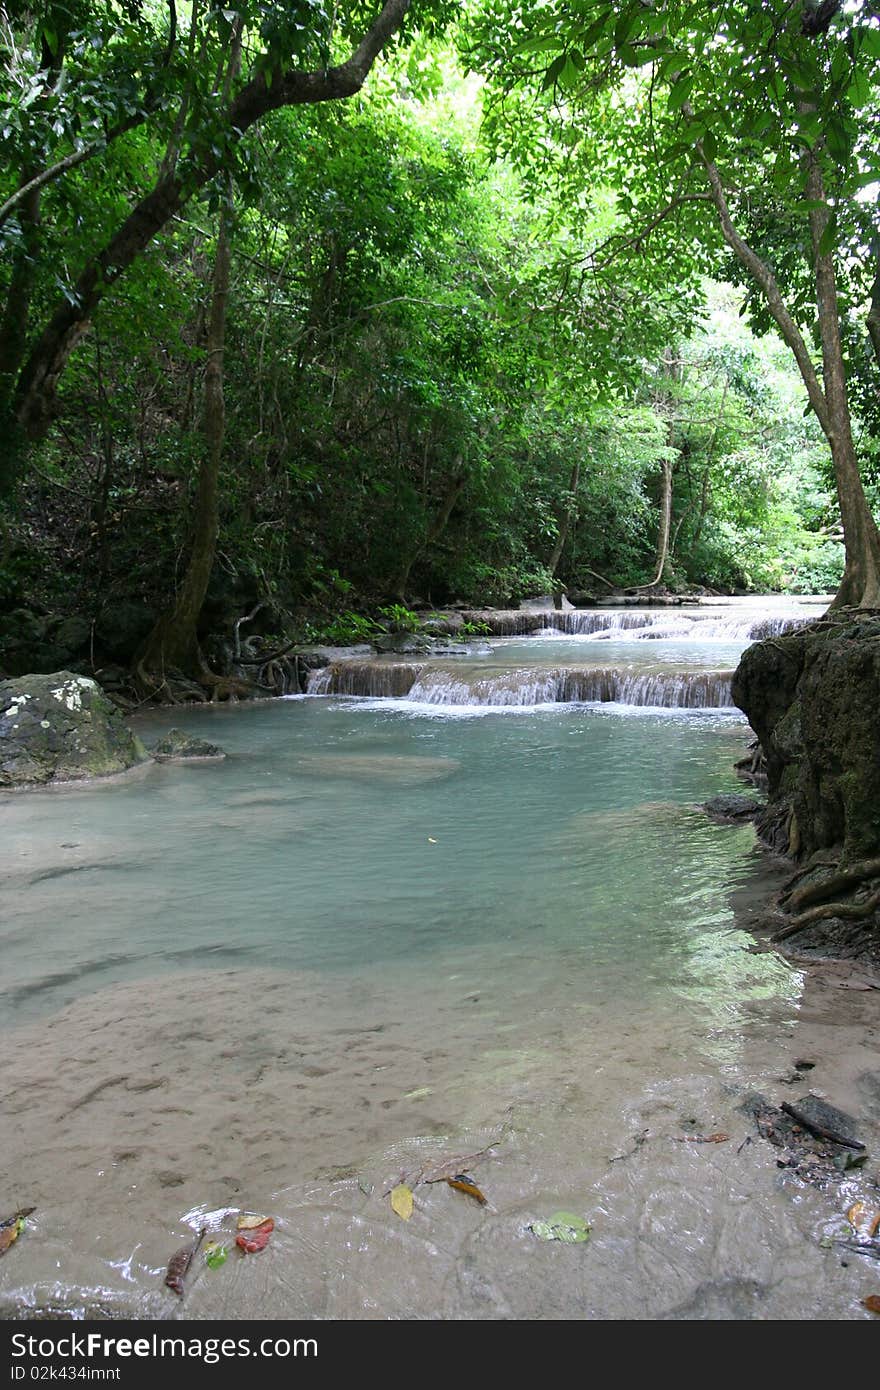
<point x="856" y="1215"/>
<point x="248" y="1222"/>
<point x="402" y="1201"/>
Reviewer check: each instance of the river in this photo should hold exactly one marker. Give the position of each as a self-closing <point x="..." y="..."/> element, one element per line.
<point x="391" y="930"/>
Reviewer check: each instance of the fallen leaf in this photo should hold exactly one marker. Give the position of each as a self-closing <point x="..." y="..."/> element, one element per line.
<point x="462" y="1183"/>
<point x="856" y="1215"/>
<point x="10" y="1232"/>
<point x="874" y="1226"/>
<point x="402" y="1201"/>
<point x="215" y="1254"/>
<point x="248" y="1222"/>
<point x="255" y="1238"/>
<point x="180" y="1262"/>
<point x="872" y="1303"/>
<point x="564" y="1226"/>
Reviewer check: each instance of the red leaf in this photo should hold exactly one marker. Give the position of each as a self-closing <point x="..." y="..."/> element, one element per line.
<point x="255" y="1239"/>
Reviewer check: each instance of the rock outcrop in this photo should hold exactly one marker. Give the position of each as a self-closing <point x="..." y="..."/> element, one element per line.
<point x="61" y="728"/>
<point x="813" y="698"/>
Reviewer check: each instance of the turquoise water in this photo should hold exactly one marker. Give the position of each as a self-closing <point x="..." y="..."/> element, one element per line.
<point x="337" y="836"/>
<point x="381" y="932"/>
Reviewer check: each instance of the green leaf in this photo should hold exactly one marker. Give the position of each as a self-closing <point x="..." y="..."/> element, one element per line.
<point x="215" y="1254"/>
<point x="860" y="90"/>
<point x="553" y="72"/>
<point x="547" y="43"/>
<point x="624" y="26"/>
<point x="564" y="1226"/>
<point x="828" y="239"/>
<point x="592" y="33"/>
<point x="838" y="139"/>
<point x="867" y="41"/>
<point x="680" y="93"/>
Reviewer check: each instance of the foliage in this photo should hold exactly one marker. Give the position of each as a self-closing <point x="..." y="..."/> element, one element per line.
<point x="470" y="321"/>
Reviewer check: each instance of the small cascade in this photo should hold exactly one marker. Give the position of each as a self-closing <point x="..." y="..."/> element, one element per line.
<point x="435" y="684"/>
<point x="775" y="627"/>
<point x="389" y="680"/>
<point x="640" y="625"/>
<point x="578" y="622"/>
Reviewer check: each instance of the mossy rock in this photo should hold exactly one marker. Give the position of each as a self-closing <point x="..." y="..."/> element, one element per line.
<point x="61" y="728"/>
<point x="177" y="746"/>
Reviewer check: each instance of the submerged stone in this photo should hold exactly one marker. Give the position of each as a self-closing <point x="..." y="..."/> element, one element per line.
<point x="403" y="643"/>
<point x="731" y="808"/>
<point x="61" y="728"/>
<point x="176" y="746"/>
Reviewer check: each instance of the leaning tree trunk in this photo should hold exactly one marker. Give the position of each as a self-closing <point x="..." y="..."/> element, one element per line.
<point x="860" y="585"/>
<point x="174" y="644"/>
<point x="433" y="533"/>
<point x="665" y="523"/>
<point x="565" y="517"/>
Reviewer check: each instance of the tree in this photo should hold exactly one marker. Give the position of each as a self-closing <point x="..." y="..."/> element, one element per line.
<point x="293" y="55"/>
<point x="726" y="113"/>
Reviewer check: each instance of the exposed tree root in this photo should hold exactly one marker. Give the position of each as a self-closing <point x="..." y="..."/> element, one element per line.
<point x="844" y="910"/>
<point x="809" y="868"/>
<point x="173" y="687"/>
<point x="835" y="883"/>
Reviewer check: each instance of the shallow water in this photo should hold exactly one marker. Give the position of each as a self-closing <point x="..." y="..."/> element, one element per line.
<point x="381" y="933"/>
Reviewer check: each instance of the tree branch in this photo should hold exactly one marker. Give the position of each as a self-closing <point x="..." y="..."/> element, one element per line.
<point x="262" y="94"/>
<point x="766" y="281"/>
<point x="71" y="161"/>
<point x="625" y="242"/>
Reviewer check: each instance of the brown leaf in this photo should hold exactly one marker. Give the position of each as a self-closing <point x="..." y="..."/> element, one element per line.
<point x="872" y="1303"/>
<point x="462" y="1183"/>
<point x="9" y="1234"/>
<point x="180" y="1262"/>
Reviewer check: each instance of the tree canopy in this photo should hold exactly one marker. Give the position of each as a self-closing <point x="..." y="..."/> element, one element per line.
<point x="520" y="298"/>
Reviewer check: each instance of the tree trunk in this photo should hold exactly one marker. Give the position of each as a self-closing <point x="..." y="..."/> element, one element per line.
<point x="434" y="532"/>
<point x="565" y="517"/>
<point x="860" y="586"/>
<point x="16" y="310"/>
<point x="662" y="572"/>
<point x="873" y="320"/>
<point x="174" y="643"/>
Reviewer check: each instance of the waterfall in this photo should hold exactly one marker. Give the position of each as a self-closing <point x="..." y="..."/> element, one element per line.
<point x="390" y="680"/>
<point x="432" y="683"/>
<point x="516" y="622"/>
<point x="642" y="625"/>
